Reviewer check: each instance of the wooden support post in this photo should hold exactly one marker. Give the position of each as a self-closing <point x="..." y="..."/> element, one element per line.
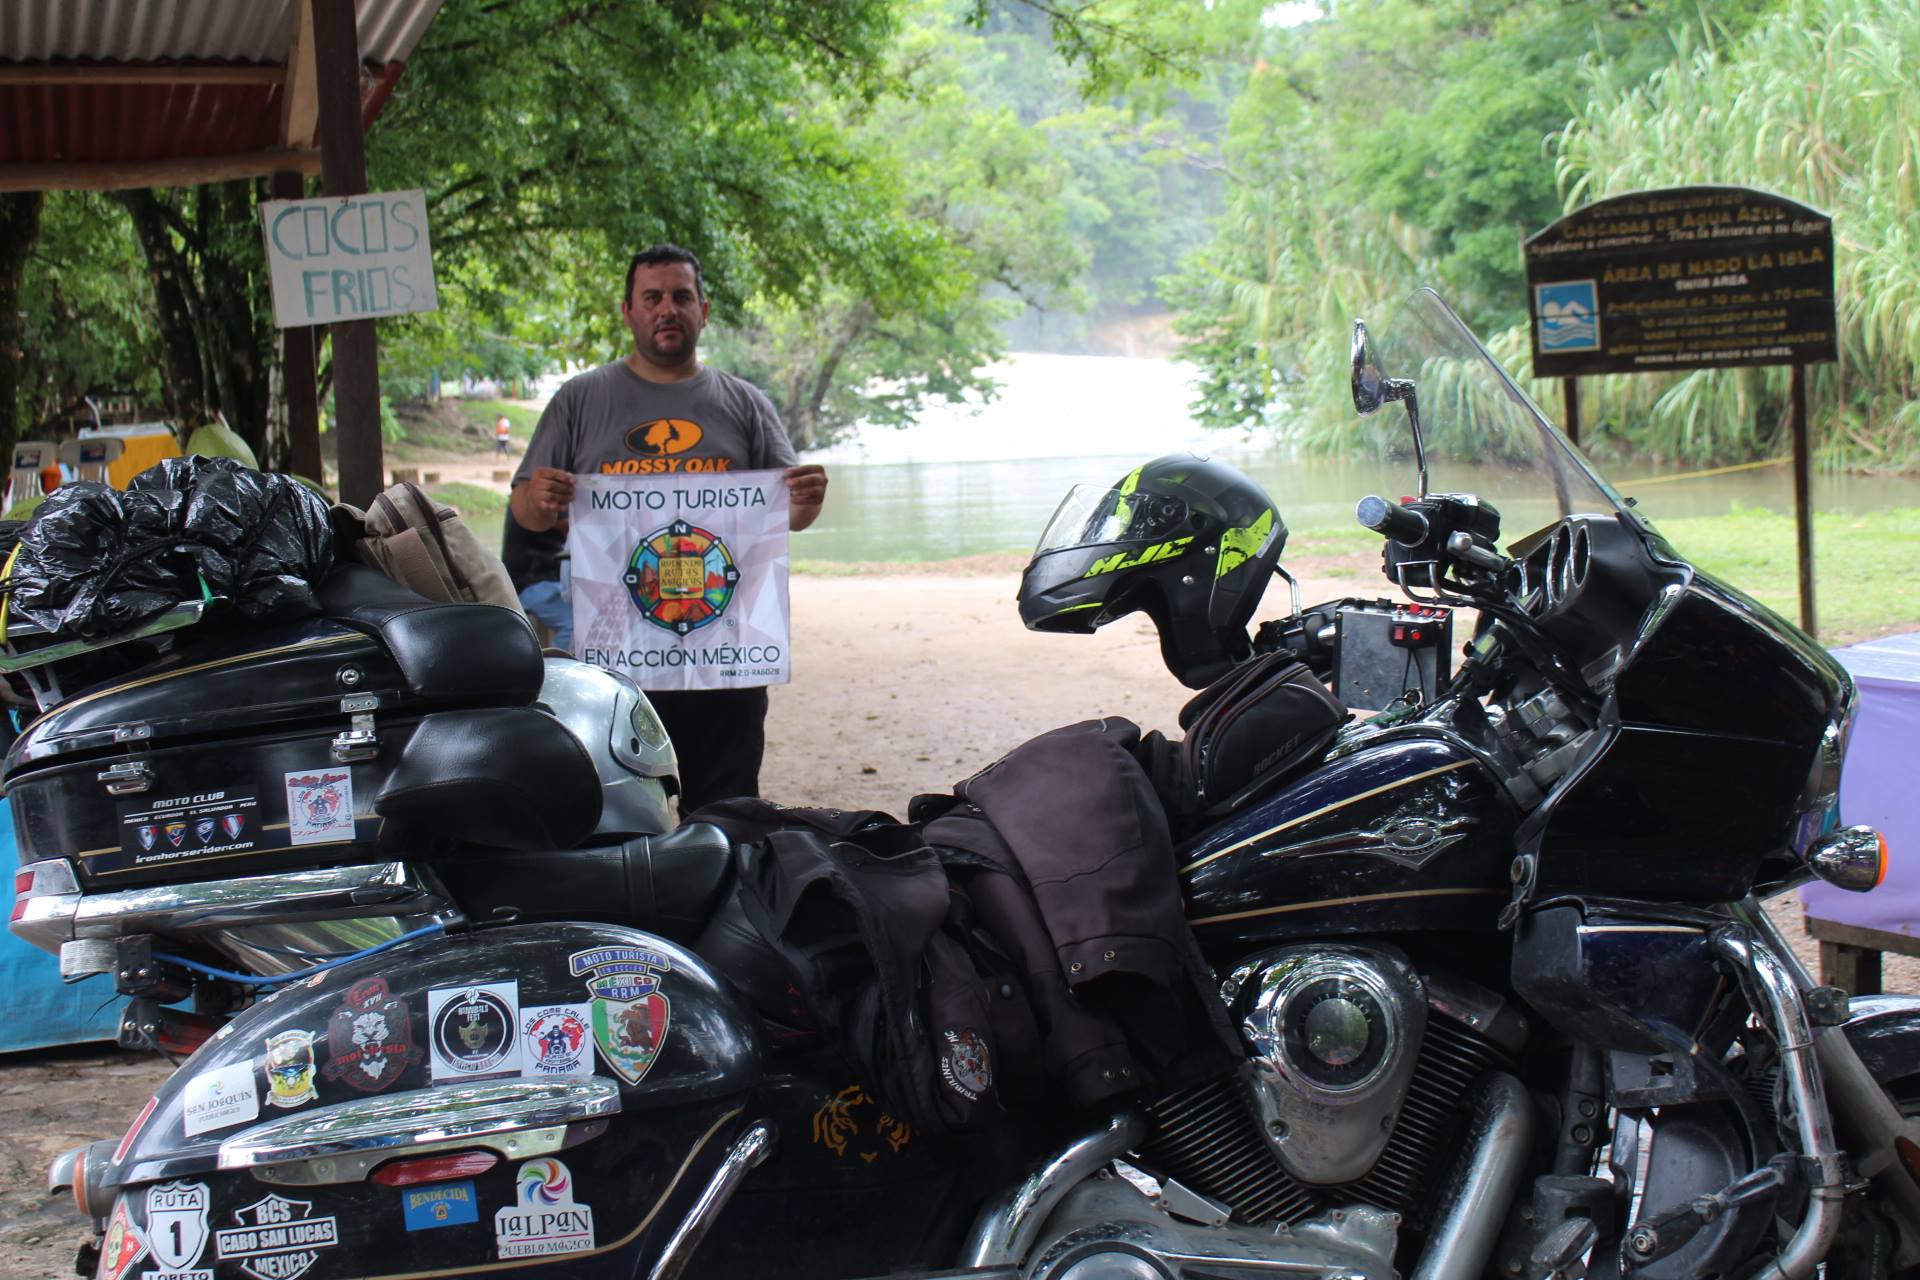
<point x="343" y="168"/>
<point x="1802" y="499"/>
<point x="1856" y="969"/>
<point x="298" y="375"/>
<point x="1570" y="392"/>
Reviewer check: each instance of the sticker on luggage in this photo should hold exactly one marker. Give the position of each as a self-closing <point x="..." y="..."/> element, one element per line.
<point x="369" y="1038"/>
<point x="220" y="821"/>
<point x="319" y="806"/>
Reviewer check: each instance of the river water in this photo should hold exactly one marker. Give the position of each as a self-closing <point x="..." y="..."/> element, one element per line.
<point x="965" y="481"/>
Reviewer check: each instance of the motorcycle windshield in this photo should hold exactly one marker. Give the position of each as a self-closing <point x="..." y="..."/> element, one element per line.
<point x="1482" y="433"/>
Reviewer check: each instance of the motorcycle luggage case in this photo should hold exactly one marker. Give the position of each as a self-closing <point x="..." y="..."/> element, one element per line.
<point x="554" y="1097"/>
<point x="247" y="749"/>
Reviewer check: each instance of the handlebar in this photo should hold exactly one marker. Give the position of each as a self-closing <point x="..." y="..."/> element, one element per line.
<point x="1391" y="520"/>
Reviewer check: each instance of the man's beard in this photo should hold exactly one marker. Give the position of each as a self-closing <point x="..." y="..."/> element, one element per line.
<point x="680" y="355"/>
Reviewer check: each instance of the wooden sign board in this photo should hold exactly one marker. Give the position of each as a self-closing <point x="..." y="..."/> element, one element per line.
<point x="348" y="257"/>
<point x="1684" y="278"/>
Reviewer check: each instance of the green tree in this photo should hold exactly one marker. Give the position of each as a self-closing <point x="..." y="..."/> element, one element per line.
<point x="1397" y="143"/>
<point x="19" y="227"/>
<point x="86" y="314"/>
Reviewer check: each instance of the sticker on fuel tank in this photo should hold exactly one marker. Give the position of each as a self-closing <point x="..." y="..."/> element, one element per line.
<point x="122" y="1246"/>
<point x="543" y="1219"/>
<point x="277" y="1238"/>
<point x="369" y="1038"/>
<point x="177" y="1231"/>
<point x="630" y="1014"/>
<point x="475" y="1031"/>
<point x="447" y="1204"/>
<point x="219" y="1099"/>
<point x="203" y="824"/>
<point x="557" y="1040"/>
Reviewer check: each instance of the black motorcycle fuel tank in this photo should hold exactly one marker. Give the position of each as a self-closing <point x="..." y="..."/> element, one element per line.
<point x="1402" y="833"/>
<point x="541" y="1098"/>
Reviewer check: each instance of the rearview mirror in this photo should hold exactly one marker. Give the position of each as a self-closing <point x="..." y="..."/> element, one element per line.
<point x="1373" y="388"/>
<point x="1369" y="383"/>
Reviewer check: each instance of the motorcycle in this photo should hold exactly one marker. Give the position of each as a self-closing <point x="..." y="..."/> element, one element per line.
<point x="1508" y="1001"/>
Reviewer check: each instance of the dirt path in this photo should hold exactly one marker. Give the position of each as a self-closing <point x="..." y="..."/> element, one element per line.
<point x="904" y="682"/>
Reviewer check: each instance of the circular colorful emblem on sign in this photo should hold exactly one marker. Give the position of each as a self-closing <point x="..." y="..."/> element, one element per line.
<point x="681" y="577"/>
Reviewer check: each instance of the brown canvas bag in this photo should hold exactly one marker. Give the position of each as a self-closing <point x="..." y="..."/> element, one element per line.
<point x="428" y="548"/>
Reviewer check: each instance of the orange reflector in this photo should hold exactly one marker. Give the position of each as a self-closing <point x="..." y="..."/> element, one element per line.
<point x="1880" y="876"/>
<point x="80" y="1184"/>
<point x="411" y="1173"/>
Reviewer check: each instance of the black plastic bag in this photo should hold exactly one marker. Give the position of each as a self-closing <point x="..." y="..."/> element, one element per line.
<point x="94" y="561"/>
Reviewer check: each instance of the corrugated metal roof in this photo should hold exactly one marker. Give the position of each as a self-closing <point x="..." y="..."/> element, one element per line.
<point x="126" y="123"/>
<point x="193" y="30"/>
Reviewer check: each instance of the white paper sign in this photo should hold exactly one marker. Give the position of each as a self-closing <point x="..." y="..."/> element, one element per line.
<point x="348" y="257"/>
<point x="681" y="581"/>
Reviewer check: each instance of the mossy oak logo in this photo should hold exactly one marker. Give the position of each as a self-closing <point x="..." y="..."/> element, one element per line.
<point x="663" y="436"/>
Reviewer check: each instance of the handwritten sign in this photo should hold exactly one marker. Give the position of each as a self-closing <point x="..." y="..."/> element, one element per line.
<point x="1682" y="278"/>
<point x="348" y="257"/>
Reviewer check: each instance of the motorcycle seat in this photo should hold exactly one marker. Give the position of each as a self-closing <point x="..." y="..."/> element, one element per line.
<point x="448" y="654"/>
<point x="497" y="777"/>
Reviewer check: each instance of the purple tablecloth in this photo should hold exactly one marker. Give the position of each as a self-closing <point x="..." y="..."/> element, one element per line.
<point x="1881" y="785"/>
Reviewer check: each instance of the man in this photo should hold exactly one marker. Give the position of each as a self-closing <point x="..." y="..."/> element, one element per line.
<point x="502" y="434"/>
<point x="691" y="412"/>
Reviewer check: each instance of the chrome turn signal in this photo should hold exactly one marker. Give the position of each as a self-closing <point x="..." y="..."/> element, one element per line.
<point x="1852" y="858"/>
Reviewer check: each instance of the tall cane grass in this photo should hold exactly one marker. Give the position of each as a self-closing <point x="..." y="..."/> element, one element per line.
<point x="1820" y="103"/>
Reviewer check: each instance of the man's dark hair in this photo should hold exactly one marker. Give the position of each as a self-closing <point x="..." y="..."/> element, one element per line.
<point x="659" y="255"/>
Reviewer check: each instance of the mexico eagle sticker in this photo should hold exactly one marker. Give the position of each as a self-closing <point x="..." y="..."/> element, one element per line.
<point x="630" y="1014"/>
<point x="681" y="578"/>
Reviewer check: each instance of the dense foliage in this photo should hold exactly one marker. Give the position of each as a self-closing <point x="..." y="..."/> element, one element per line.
<point x="888" y="192"/>
<point x="1414" y="143"/>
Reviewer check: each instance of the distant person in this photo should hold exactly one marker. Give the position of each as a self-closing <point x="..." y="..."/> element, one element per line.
<point x="719" y="734"/>
<point x="502" y="434"/>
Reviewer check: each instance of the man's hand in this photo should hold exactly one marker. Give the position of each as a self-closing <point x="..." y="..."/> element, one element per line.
<point x="806" y="491"/>
<point x="541" y="501"/>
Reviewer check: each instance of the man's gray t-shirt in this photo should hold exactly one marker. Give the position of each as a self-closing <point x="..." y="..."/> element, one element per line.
<point x="611" y="421"/>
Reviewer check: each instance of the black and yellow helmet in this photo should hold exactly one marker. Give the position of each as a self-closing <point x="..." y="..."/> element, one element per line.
<point x="1189" y="540"/>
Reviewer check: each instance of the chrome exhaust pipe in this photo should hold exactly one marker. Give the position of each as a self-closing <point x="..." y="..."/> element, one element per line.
<point x="1482" y="1183"/>
<point x="1004" y="1232"/>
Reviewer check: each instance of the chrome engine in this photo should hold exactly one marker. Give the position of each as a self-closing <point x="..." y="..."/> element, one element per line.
<point x="1354" y="1092"/>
